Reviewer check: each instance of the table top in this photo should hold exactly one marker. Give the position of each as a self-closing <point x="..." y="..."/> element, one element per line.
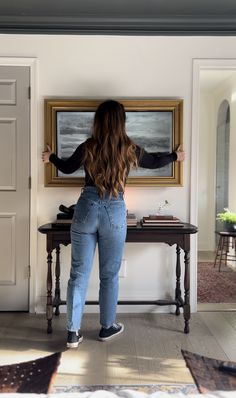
<point x="185" y="229"/>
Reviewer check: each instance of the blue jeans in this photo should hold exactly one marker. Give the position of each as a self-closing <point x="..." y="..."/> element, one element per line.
<point x="102" y="221"/>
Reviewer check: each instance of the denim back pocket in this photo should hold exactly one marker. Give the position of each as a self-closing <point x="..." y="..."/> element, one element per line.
<point x="82" y="210"/>
<point x="116" y="211"/>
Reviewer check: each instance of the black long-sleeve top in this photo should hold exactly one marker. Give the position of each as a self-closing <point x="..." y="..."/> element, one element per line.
<point x="147" y="160"/>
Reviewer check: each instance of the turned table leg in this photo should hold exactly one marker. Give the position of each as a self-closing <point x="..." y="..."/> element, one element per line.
<point x="49" y="308"/>
<point x="186" y="292"/>
<point x="178" y="298"/>
<point x="57" y="283"/>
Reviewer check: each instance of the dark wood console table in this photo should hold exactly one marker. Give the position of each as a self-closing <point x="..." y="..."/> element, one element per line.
<point x="180" y="236"/>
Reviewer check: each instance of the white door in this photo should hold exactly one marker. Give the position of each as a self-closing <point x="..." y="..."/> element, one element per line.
<point x="14" y="188"/>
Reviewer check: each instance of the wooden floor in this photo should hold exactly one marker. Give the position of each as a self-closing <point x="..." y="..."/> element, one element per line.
<point x="149" y="351"/>
<point x="206" y="256"/>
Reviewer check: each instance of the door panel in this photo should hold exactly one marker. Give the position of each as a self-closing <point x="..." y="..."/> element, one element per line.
<point x="7" y="91"/>
<point x="14" y="189"/>
<point x="8" y="154"/>
<point x="8" y="248"/>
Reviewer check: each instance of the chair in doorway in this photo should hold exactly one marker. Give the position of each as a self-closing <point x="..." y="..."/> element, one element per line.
<point x="227" y="241"/>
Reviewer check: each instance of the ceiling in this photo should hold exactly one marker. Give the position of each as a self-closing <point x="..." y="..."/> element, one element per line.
<point x="125" y="17"/>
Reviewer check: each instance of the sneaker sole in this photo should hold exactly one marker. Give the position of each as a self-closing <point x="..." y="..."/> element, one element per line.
<point x="74" y="345"/>
<point x="113" y="335"/>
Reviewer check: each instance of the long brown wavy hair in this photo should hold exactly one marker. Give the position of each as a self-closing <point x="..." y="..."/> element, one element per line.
<point x="109" y="153"/>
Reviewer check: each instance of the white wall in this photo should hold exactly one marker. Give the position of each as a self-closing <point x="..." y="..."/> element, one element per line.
<point x="122" y="67"/>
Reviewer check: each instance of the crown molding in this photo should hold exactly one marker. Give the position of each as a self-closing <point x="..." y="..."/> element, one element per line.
<point x="118" y="26"/>
<point x="123" y="17"/>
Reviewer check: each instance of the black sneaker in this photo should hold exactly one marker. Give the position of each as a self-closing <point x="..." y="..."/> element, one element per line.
<point x="73" y="339"/>
<point x="113" y="331"/>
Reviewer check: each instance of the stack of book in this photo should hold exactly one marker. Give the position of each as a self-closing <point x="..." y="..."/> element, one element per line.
<point x="161" y="221"/>
<point x="131" y="219"/>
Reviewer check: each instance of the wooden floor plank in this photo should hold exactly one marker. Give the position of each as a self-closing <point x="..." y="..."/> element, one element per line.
<point x="230" y="317"/>
<point x="121" y="363"/>
<point x="203" y="342"/>
<point x="222" y="331"/>
<point x="149" y="348"/>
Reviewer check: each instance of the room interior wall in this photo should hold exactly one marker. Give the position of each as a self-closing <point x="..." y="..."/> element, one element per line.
<point x="232" y="162"/>
<point x="210" y="104"/>
<point x="227" y="91"/>
<point x="117" y="67"/>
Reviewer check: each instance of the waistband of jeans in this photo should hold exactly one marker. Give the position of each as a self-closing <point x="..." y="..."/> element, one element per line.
<point x="94" y="190"/>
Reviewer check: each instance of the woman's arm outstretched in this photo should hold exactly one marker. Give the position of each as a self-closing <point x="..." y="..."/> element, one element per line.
<point x="67" y="166"/>
<point x="155" y="160"/>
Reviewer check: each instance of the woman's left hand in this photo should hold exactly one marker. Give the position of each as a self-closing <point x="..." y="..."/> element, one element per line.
<point x="46" y="155"/>
<point x="180" y="154"/>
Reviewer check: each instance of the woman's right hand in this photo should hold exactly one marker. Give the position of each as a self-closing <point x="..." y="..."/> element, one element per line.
<point x="46" y="155"/>
<point x="180" y="154"/>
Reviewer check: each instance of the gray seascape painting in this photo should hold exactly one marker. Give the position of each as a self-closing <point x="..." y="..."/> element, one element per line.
<point x="151" y="130"/>
<point x="73" y="128"/>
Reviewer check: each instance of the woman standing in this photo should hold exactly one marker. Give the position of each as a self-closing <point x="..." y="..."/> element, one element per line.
<point x="100" y="213"/>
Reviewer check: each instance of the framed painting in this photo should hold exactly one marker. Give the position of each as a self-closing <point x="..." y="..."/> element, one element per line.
<point x="155" y="125"/>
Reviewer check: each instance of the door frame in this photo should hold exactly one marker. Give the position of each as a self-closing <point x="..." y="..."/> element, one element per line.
<point x="198" y="65"/>
<point x="32" y="63"/>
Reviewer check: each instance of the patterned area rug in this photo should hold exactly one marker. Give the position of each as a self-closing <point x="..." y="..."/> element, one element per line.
<point x="215" y="286"/>
<point x="207" y="375"/>
<point x="147" y="388"/>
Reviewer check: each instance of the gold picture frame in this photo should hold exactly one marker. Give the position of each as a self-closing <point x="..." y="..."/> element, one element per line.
<point x="150" y="123"/>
